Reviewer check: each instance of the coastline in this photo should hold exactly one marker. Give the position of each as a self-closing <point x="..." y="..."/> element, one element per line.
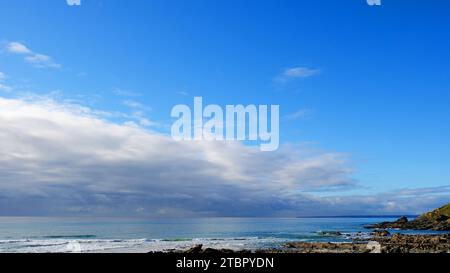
<point x="397" y="243"/>
<point x="230" y="235"/>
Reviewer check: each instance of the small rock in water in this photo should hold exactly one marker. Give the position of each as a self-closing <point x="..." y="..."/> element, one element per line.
<point x="329" y="233"/>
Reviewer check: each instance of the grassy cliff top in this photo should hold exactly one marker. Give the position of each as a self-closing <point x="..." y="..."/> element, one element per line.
<point x="437" y="213"/>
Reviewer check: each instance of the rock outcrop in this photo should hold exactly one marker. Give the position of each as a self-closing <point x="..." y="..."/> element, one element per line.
<point x="198" y="249"/>
<point x="438" y="219"/>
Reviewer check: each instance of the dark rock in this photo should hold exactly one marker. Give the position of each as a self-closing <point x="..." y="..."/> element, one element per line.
<point x="195" y="249"/>
<point x="399" y="223"/>
<point x="217" y="251"/>
<point x="381" y="233"/>
<point x="198" y="249"/>
<point x="329" y="233"/>
<point x="402" y="220"/>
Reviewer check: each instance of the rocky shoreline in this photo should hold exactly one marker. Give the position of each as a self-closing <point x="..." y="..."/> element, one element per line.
<point x="397" y="243"/>
<point x="381" y="240"/>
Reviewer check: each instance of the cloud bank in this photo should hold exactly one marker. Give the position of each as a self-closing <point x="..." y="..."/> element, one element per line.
<point x="61" y="159"/>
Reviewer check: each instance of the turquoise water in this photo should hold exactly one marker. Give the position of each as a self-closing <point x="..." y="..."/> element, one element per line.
<point x="33" y="234"/>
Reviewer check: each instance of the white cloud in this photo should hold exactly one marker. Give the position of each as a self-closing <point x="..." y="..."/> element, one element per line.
<point x="296" y="73"/>
<point x="136" y="105"/>
<point x="36" y="59"/>
<point x="300" y="114"/>
<point x="42" y="61"/>
<point x="403" y="201"/>
<point x="300" y="72"/>
<point x="125" y="93"/>
<point x="4" y="87"/>
<point x="73" y="2"/>
<point x="18" y="48"/>
<point x="138" y="113"/>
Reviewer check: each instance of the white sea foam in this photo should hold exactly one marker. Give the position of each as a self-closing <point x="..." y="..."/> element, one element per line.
<point x="132" y="245"/>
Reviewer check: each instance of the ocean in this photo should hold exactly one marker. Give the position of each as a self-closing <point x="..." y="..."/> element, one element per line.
<point x="41" y="234"/>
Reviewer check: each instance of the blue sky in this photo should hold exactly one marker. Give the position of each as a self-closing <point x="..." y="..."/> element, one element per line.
<point x="378" y="91"/>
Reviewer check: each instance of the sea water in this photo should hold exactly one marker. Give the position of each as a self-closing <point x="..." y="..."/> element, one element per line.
<point x="40" y="234"/>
